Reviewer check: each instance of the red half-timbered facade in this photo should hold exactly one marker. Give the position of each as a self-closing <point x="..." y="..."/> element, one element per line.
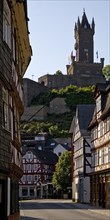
<point x="38" y="167"/>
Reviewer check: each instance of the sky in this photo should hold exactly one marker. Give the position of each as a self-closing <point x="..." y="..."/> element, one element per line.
<point x="51" y="25"/>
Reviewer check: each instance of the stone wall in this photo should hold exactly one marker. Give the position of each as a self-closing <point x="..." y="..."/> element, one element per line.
<point x="34" y="113"/>
<point x="57" y="81"/>
<point x="39" y="112"/>
<point x="79" y="73"/>
<point x="58" y="106"/>
<point x="31" y="90"/>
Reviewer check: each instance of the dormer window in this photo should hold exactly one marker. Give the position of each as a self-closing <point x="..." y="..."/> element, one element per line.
<point x="52" y="144"/>
<point x="29" y="155"/>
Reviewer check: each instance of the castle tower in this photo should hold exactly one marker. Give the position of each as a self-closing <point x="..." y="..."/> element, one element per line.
<point x="84" y="45"/>
<point x="82" y="71"/>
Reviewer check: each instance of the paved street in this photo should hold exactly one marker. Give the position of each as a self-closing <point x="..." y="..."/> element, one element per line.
<point x="60" y="210"/>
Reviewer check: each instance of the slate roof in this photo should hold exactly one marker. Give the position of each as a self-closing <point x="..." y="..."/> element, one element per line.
<point x="106" y="103"/>
<point x="46" y="157"/>
<point x="52" y="144"/>
<point x="104" y="90"/>
<point x="85" y="21"/>
<point x="85" y="113"/>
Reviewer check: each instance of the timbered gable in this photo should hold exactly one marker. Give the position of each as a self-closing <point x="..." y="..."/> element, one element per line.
<point x="38" y="166"/>
<point x="81" y="150"/>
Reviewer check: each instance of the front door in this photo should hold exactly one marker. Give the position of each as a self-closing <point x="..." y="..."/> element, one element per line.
<point x="3" y="205"/>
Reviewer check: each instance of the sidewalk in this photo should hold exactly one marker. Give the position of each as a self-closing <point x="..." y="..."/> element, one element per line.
<point x="103" y="211"/>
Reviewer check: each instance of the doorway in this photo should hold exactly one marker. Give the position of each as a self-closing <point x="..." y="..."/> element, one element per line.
<point x="3" y="200"/>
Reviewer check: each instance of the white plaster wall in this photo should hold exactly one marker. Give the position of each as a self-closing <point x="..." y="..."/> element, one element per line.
<point x="87" y="190"/>
<point x="59" y="149"/>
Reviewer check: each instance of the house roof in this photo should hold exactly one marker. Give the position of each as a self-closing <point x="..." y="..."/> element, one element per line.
<point x="84" y="22"/>
<point x="106" y="102"/>
<point x="85" y="113"/>
<point x="103" y="90"/>
<point x="46" y="157"/>
<point x="52" y="144"/>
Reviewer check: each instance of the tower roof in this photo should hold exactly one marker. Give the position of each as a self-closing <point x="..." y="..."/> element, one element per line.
<point x="84" y="22"/>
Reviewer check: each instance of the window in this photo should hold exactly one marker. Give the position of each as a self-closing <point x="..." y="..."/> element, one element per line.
<point x="7" y="24"/>
<point x="16" y="124"/>
<point x="29" y="155"/>
<point x="23" y="178"/>
<point x="101" y="128"/>
<point x="100" y="160"/>
<point x="31" y="191"/>
<point x="28" y="167"/>
<point x="5" y="109"/>
<point x="98" y="104"/>
<point x="35" y="178"/>
<point x="93" y="159"/>
<point x="108" y="124"/>
<point x="86" y="55"/>
<point x="96" y="158"/>
<point x="105" y="155"/>
<point x="94" y="133"/>
<point x="109" y="154"/>
<point x="24" y="192"/>
<point x="102" y="156"/>
<point x="29" y="178"/>
<point x="14" y="44"/>
<point x="105" y="126"/>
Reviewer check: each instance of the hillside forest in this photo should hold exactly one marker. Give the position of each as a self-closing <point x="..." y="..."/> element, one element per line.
<point x="58" y="125"/>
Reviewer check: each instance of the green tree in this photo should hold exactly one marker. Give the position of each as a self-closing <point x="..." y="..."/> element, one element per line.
<point x="106" y="71"/>
<point x="58" y="72"/>
<point x="62" y="177"/>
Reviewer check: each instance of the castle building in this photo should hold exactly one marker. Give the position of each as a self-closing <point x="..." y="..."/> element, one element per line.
<point x="82" y="71"/>
<point x="15" y="55"/>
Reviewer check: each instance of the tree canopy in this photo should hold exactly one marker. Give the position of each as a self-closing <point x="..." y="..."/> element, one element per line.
<point x="106" y="71"/>
<point x="62" y="176"/>
<point x="58" y="124"/>
<point x="58" y="72"/>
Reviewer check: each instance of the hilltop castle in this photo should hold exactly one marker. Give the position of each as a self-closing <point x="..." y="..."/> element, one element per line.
<point x="82" y="71"/>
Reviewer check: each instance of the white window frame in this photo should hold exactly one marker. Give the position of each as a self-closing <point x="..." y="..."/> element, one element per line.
<point x="5" y="108"/>
<point x="7" y="24"/>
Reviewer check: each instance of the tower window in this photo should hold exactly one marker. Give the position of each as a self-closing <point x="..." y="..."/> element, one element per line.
<point x="85" y="26"/>
<point x="86" y="55"/>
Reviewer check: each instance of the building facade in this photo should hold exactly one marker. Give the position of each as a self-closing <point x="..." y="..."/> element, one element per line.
<point x="81" y="153"/>
<point x="15" y="55"/>
<point x="38" y="168"/>
<point x="100" y="148"/>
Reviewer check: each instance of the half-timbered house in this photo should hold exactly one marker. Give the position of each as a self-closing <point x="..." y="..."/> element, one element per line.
<point x="100" y="147"/>
<point x="38" y="166"/>
<point x="15" y="55"/>
<point x="81" y="153"/>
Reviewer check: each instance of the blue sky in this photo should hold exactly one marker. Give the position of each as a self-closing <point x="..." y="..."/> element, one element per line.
<point x="51" y="29"/>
